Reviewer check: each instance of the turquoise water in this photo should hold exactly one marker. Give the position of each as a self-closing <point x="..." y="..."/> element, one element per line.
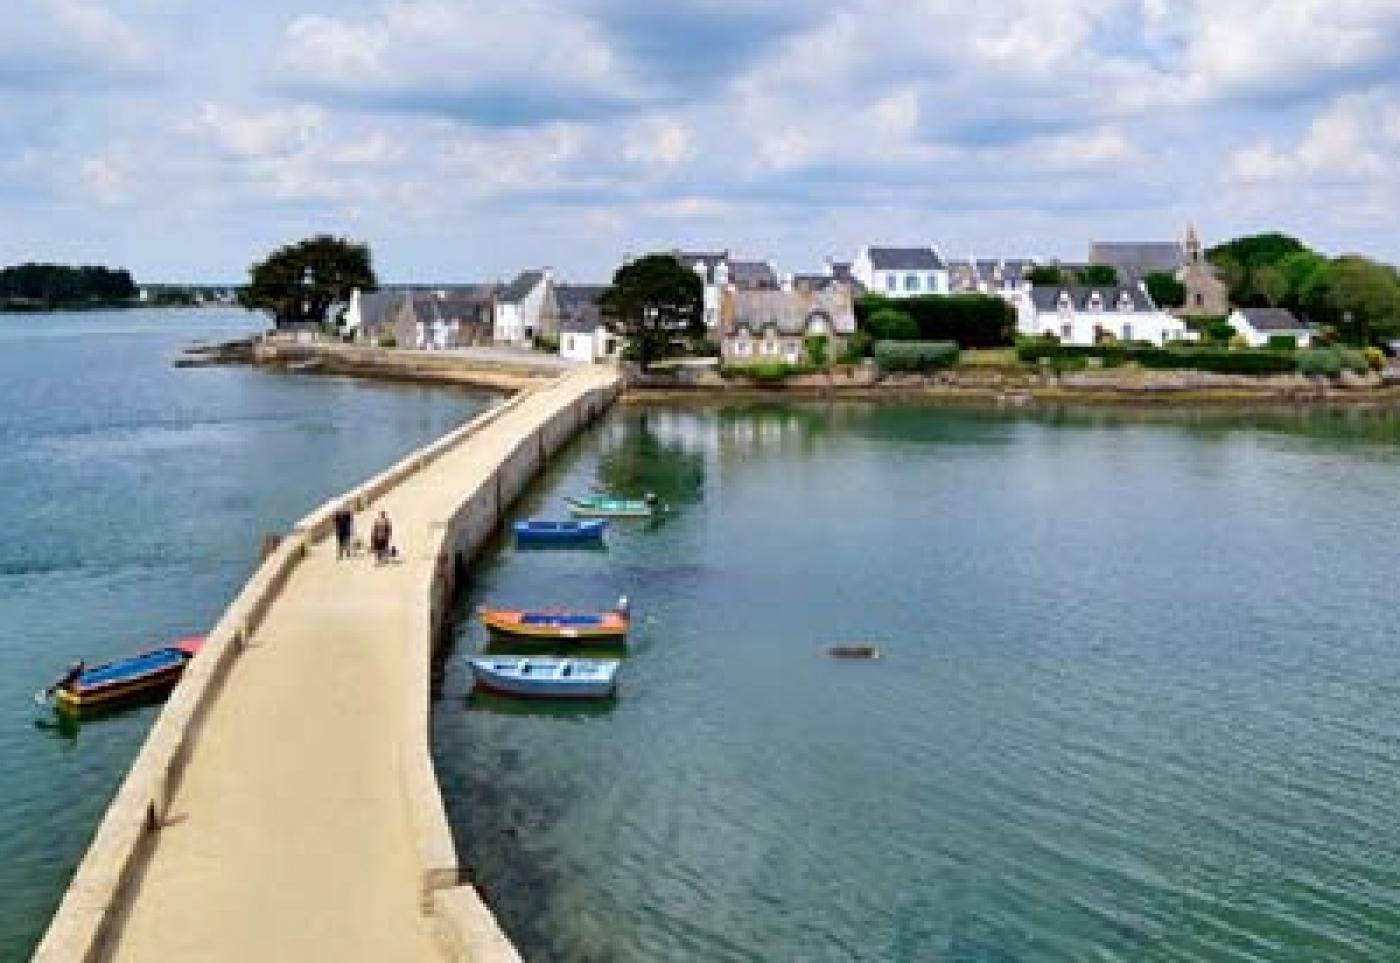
<point x="1139" y="700"/>
<point x="135" y="496"/>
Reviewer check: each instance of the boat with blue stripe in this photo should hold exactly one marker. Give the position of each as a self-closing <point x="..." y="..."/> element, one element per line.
<point x="83" y="688"/>
<point x="545" y="533"/>
<point x="549" y="626"/>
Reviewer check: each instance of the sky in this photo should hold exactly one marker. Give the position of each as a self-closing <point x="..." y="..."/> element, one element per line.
<point x="468" y="139"/>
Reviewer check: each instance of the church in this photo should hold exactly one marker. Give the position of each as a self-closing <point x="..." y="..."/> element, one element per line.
<point x="1206" y="294"/>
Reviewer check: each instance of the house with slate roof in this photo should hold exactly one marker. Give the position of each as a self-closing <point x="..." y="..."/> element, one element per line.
<point x="901" y="272"/>
<point x="582" y="334"/>
<point x="1003" y="277"/>
<point x="1259" y="325"/>
<point x="1206" y="293"/>
<point x="767" y="325"/>
<point x="526" y="309"/>
<point x="718" y="270"/>
<point x="1088" y="315"/>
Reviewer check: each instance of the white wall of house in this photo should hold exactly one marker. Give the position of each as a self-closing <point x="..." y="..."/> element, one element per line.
<point x="897" y="284"/>
<point x="1260" y="339"/>
<point x="589" y="346"/>
<point x="1082" y="327"/>
<point x="507" y="325"/>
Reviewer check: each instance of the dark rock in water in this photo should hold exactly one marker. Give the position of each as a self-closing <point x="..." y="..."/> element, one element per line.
<point x="853" y="652"/>
<point x="209" y="355"/>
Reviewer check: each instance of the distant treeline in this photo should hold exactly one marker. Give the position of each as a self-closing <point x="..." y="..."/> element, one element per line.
<point x="39" y="287"/>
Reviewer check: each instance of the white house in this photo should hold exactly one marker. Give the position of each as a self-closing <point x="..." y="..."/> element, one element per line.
<point x="582" y="335"/>
<point x="1258" y="325"/>
<point x="1087" y="315"/>
<point x="526" y="309"/>
<point x="901" y="272"/>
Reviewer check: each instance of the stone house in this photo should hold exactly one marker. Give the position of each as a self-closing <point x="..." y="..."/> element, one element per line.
<point x="718" y="270"/>
<point x="1206" y="294"/>
<point x="1005" y="277"/>
<point x="767" y="325"/>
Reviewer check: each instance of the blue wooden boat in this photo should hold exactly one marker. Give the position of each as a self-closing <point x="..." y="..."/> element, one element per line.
<point x="542" y="532"/>
<point x="545" y="678"/>
<point x="83" y="688"/>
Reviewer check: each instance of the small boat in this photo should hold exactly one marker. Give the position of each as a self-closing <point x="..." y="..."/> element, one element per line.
<point x="540" y="532"/>
<point x="853" y="652"/>
<point x="157" y="670"/>
<point x="601" y="506"/>
<point x="542" y="678"/>
<point x="596" y="627"/>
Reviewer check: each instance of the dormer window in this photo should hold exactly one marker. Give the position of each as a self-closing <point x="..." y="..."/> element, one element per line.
<point x="1125" y="301"/>
<point x="1095" y="301"/>
<point x="1065" y="303"/>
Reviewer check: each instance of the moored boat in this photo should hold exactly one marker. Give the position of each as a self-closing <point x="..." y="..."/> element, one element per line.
<point x="601" y="506"/>
<point x="582" y="627"/>
<point x="541" y="532"/>
<point x="83" y="688"/>
<point x="542" y="678"/>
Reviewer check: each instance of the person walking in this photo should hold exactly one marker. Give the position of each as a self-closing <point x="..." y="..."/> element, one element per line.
<point x="380" y="537"/>
<point x="344" y="531"/>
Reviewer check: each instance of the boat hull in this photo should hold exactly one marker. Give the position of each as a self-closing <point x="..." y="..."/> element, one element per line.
<point x="125" y="681"/>
<point x="544" y="534"/>
<point x="608" y="508"/>
<point x="503" y="677"/>
<point x="602" y="628"/>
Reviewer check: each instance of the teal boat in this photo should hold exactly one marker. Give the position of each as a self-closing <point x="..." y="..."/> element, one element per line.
<point x="600" y="506"/>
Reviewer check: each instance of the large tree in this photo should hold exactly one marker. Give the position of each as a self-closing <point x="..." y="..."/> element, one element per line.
<point x="1365" y="297"/>
<point x="654" y="302"/>
<point x="1270" y="284"/>
<point x="297" y="284"/>
<point x="1165" y="290"/>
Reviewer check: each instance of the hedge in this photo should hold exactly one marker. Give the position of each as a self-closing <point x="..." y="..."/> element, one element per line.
<point x="891" y="324"/>
<point x="915" y="355"/>
<point x="766" y="371"/>
<point x="970" y="320"/>
<point x="1333" y="361"/>
<point x="1217" y="360"/>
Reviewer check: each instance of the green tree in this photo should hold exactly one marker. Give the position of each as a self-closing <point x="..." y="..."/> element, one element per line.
<point x="1270" y="284"/>
<point x="1297" y="269"/>
<point x="297" y="284"/>
<point x="1236" y="277"/>
<point x="1165" y="290"/>
<point x="1045" y="275"/>
<point x="892" y="324"/>
<point x="1366" y="298"/>
<point x="653" y="302"/>
<point x="1098" y="275"/>
<point x="1257" y="249"/>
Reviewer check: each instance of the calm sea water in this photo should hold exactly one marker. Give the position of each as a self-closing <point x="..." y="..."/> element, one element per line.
<point x="133" y="498"/>
<point x="1139" y="700"/>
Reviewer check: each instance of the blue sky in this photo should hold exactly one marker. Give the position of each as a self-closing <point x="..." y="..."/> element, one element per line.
<point x="466" y="139"/>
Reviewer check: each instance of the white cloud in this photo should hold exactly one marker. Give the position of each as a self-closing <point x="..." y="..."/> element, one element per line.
<point x="272" y="133"/>
<point x="105" y="181"/>
<point x="1355" y="139"/>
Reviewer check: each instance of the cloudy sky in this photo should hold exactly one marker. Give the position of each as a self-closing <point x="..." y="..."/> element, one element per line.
<point x="465" y="139"/>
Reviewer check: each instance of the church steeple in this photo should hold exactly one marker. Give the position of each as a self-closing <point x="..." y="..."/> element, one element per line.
<point x="1193" y="245"/>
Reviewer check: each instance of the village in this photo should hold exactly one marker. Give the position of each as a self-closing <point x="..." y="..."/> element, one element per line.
<point x="757" y="314"/>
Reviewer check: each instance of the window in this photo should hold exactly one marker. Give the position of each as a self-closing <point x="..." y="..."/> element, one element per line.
<point x="1200" y="299"/>
<point x="911" y="282"/>
<point x="1127" y="332"/>
<point x="890" y="283"/>
<point x="932" y="282"/>
<point x="1067" y="331"/>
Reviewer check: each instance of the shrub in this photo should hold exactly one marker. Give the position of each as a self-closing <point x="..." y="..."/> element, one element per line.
<point x="387" y="340"/>
<point x="915" y="355"/>
<point x="1319" y="361"/>
<point x="1217" y="360"/>
<point x="970" y="320"/>
<point x="544" y="342"/>
<point x="814" y="347"/>
<point x="703" y="347"/>
<point x="1238" y="342"/>
<point x="892" y="324"/>
<point x="1282" y="342"/>
<point x="1354" y="359"/>
<point x="1375" y="357"/>
<point x="858" y="347"/>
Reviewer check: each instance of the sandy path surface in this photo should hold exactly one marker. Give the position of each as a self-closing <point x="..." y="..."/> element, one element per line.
<point x="289" y="838"/>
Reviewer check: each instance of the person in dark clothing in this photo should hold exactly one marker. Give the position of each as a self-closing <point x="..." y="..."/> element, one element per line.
<point x="344" y="531"/>
<point x="380" y="537"/>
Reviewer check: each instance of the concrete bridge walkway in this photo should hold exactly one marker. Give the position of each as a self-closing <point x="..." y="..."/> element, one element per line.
<point x="289" y="837"/>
